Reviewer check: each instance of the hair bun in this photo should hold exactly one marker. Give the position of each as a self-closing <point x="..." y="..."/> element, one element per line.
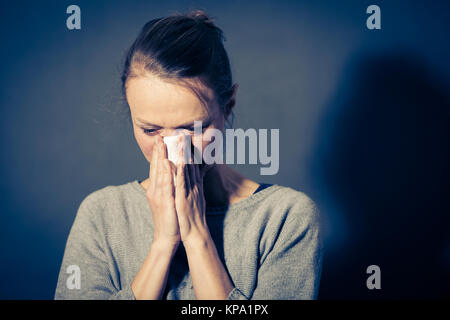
<point x="201" y="16"/>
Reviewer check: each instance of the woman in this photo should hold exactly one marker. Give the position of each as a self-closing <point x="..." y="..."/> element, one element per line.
<point x="209" y="233"/>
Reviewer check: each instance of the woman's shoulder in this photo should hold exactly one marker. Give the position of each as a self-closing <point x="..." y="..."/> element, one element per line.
<point x="287" y="203"/>
<point x="278" y="214"/>
<point x="111" y="197"/>
<point x="110" y="209"/>
<point x="286" y="196"/>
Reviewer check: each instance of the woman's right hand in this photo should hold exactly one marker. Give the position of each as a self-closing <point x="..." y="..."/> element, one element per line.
<point x="160" y="196"/>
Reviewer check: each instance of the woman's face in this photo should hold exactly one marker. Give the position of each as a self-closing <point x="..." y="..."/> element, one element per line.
<point x="165" y="108"/>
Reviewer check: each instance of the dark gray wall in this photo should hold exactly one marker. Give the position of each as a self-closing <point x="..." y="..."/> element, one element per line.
<point x="363" y="118"/>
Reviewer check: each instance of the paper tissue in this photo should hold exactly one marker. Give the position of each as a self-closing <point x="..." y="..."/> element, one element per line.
<point x="174" y="147"/>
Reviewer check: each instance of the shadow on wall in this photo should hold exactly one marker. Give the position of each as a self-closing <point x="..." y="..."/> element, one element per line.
<point x="383" y="161"/>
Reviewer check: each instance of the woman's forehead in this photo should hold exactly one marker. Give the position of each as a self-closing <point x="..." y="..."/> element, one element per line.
<point x="164" y="103"/>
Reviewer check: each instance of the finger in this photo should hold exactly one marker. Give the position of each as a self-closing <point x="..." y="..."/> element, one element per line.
<point x="170" y="170"/>
<point x="167" y="176"/>
<point x="160" y="164"/>
<point x="173" y="167"/>
<point x="173" y="172"/>
<point x="193" y="150"/>
<point x="186" y="173"/>
<point x="154" y="163"/>
<point x="181" y="180"/>
<point x="163" y="149"/>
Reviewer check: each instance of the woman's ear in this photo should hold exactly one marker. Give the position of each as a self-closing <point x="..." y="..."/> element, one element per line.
<point x="232" y="102"/>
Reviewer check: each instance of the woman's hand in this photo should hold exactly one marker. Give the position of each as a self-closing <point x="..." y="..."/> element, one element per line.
<point x="160" y="196"/>
<point x="190" y="201"/>
<point x="209" y="276"/>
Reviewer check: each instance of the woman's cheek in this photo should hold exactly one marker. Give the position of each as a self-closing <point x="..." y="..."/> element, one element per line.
<point x="146" y="145"/>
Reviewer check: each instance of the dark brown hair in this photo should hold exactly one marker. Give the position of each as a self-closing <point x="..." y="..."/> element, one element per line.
<point x="185" y="48"/>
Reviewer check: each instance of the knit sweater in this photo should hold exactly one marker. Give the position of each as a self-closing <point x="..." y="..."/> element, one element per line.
<point x="270" y="244"/>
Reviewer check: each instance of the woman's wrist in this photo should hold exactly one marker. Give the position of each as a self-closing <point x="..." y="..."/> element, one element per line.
<point x="165" y="247"/>
<point x="150" y="281"/>
<point x="197" y="239"/>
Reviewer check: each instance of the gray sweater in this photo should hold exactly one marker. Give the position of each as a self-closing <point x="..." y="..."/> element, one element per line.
<point x="270" y="244"/>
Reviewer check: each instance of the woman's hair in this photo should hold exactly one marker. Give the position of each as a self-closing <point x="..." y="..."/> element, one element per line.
<point x="184" y="48"/>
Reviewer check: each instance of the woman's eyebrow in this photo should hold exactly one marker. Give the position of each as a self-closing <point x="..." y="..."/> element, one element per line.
<point x="187" y="124"/>
<point x="145" y="123"/>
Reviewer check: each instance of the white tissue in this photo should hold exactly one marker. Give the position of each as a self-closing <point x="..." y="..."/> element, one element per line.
<point x="174" y="147"/>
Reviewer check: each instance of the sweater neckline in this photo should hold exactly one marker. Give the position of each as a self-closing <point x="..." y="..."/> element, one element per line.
<point x="255" y="197"/>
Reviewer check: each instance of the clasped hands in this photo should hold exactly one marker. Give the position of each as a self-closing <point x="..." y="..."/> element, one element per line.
<point x="178" y="211"/>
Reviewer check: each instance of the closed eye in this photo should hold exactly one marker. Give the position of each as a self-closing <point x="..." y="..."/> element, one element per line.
<point x="191" y="128"/>
<point x="149" y="131"/>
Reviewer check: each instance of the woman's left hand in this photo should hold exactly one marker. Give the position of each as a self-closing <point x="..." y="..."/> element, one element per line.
<point x="190" y="202"/>
<point x="210" y="278"/>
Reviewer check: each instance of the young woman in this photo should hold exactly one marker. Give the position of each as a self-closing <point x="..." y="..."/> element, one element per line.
<point x="208" y="234"/>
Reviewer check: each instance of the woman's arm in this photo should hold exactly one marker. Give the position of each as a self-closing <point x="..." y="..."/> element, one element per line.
<point x="292" y="269"/>
<point x="151" y="279"/>
<point x="209" y="277"/>
<point x="87" y="273"/>
<point x="86" y="270"/>
<point x="87" y="251"/>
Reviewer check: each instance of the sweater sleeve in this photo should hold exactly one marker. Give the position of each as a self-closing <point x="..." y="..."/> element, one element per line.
<point x="292" y="269"/>
<point x="88" y="270"/>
